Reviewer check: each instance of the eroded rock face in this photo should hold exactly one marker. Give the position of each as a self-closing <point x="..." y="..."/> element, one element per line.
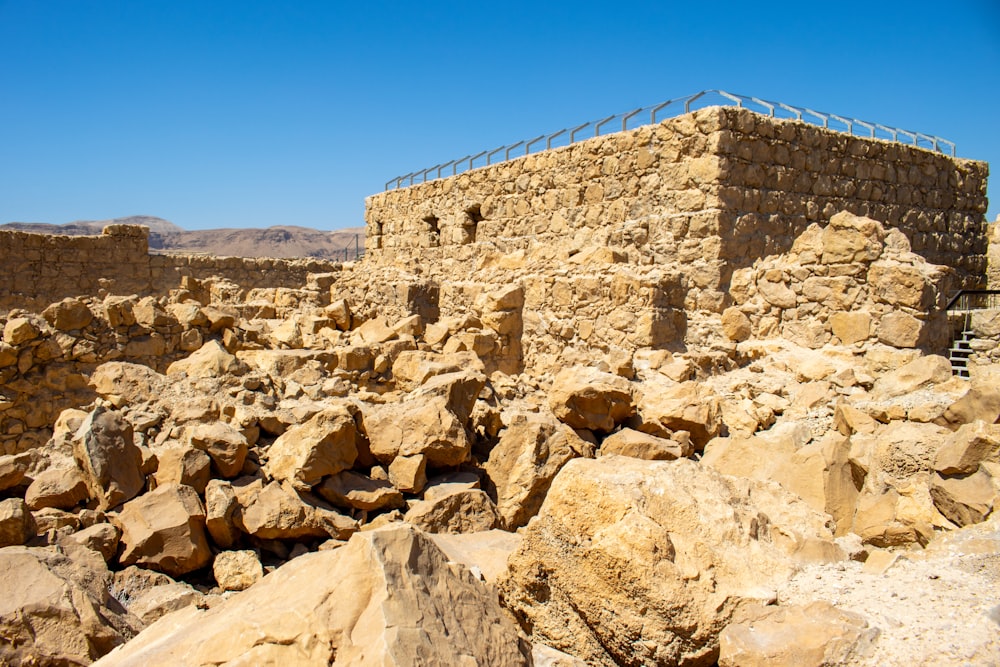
<point x="591" y="399"/>
<point x="638" y="562"/>
<point x="389" y="596"/>
<point x="55" y="610"/>
<point x="107" y="456"/>
<point x="324" y="445"/>
<point x="165" y="530"/>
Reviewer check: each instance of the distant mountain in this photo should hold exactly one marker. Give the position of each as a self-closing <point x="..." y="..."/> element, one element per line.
<point x="166" y="237"/>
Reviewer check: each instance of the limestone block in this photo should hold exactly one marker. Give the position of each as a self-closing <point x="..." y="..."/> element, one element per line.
<point x="322" y="446"/>
<point x="226" y="446"/>
<point x="851" y="327"/>
<point x="900" y="329"/>
<point x="964" y="500"/>
<point x="408" y="473"/>
<point x="14" y="470"/>
<point x="969" y="446"/>
<point x="736" y="325"/>
<point x="587" y="398"/>
<point x="339" y="311"/>
<point x="639" y="445"/>
<point x="850" y="238"/>
<point x="211" y="360"/>
<point x="63" y="488"/>
<point x="529" y="453"/>
<point x="461" y="511"/>
<point x="459" y="390"/>
<point x="920" y="373"/>
<point x="220" y="507"/>
<point x="109" y="459"/>
<point x="900" y="285"/>
<point x="68" y="314"/>
<point x="349" y="489"/>
<point x="164" y="530"/>
<point x="278" y="512"/>
<point x="237" y="570"/>
<point x="688" y="406"/>
<point x="154" y="603"/>
<point x="420" y="425"/>
<point x="412" y="368"/>
<point x="101" y="537"/>
<point x="797" y="636"/>
<point x="17" y="525"/>
<point x="19" y="330"/>
<point x="778" y="294"/>
<point x="183" y="465"/>
<point x="376" y="331"/>
<point x="981" y="402"/>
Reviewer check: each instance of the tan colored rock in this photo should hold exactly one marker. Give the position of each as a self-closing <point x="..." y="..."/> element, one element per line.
<point x="107" y="456"/>
<point x="127" y="383"/>
<point x="849" y="420"/>
<point x="585" y="397"/>
<point x="920" y="373"/>
<point x="419" y="425"/>
<point x="815" y="635"/>
<point x="68" y="314"/>
<point x="412" y="368"/>
<point x="158" y="601"/>
<point x="164" y="530"/>
<point x="387" y="597"/>
<point x="19" y="330"/>
<point x="17" y="525"/>
<point x="851" y="327"/>
<point x="964" y="500"/>
<point x="900" y="329"/>
<point x="237" y="570"/>
<point x="850" y="238"/>
<point x="14" y="470"/>
<point x="349" y="489"/>
<point x="276" y="512"/>
<point x="688" y="406"/>
<point x="629" y="442"/>
<point x="408" y="473"/>
<point x="375" y="331"/>
<point x="981" y="402"/>
<point x="340" y="312"/>
<point x="226" y="446"/>
<point x="639" y="562"/>
<point x="220" y="508"/>
<point x="530" y="452"/>
<point x="322" y="446"/>
<point x="211" y="360"/>
<point x="460" y="391"/>
<point x="101" y="537"/>
<point x="182" y="464"/>
<point x="463" y="511"/>
<point x="736" y="325"/>
<point x="63" y="488"/>
<point x="55" y="610"/>
<point x="967" y="448"/>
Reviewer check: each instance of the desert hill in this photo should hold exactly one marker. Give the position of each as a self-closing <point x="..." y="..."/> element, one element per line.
<point x="165" y="236"/>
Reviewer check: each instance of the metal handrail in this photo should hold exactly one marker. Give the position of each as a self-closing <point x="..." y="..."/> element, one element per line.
<point x="729" y="99"/>
<point x="975" y="299"/>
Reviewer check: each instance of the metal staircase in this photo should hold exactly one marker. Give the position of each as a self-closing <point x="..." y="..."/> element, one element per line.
<point x="959" y="310"/>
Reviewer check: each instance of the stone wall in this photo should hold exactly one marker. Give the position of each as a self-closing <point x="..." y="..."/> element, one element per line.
<point x="711" y="190"/>
<point x="40" y="269"/>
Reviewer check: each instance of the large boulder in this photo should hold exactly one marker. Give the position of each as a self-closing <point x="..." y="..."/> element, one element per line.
<point x="353" y="490"/>
<point x="530" y="451"/>
<point x="226" y="446"/>
<point x="108" y="457"/>
<point x="643" y="563"/>
<point x="588" y="398"/>
<point x="324" y="445"/>
<point x="68" y="314"/>
<point x="420" y="425"/>
<point x="460" y="511"/>
<point x="211" y="360"/>
<point x="164" y="530"/>
<point x="278" y="512"/>
<point x="413" y="368"/>
<point x="17" y="525"/>
<point x="388" y="597"/>
<point x="56" y="610"/>
<point x="688" y="406"/>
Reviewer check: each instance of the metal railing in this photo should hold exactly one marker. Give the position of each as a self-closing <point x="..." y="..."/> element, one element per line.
<point x="974" y="299"/>
<point x="636" y="118"/>
<point x="350" y="252"/>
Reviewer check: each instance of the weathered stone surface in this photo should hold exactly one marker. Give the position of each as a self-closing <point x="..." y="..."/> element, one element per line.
<point x="484" y="553"/>
<point x="460" y="391"/>
<point x="353" y="490"/>
<point x="183" y="465"/>
<point x="463" y="511"/>
<point x="964" y="500"/>
<point x="322" y="446"/>
<point x="388" y="597"/>
<point x="17" y="525"/>
<point x="237" y="570"/>
<point x="900" y="329"/>
<point x="165" y="530"/>
<point x="588" y="398"/>
<point x="408" y="473"/>
<point x="736" y="325"/>
<point x="530" y="452"/>
<point x="688" y="406"/>
<point x="629" y="442"/>
<point x="156" y="602"/>
<point x="68" y="314"/>
<point x="981" y="402"/>
<point x="815" y="635"/>
<point x="220" y="507"/>
<point x="57" y="611"/>
<point x="20" y="330"/>
<point x="967" y="448"/>
<point x="13" y="470"/>
<point x="101" y="537"/>
<point x="919" y="373"/>
<point x="638" y="562"/>
<point x="63" y="488"/>
<point x="211" y="360"/>
<point x="276" y="512"/>
<point x="226" y="446"/>
<point x="851" y="327"/>
<point x="107" y="456"/>
<point x="422" y="425"/>
<point x="414" y="367"/>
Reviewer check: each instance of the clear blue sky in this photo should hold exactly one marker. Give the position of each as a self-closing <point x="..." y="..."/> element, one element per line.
<point x="251" y="114"/>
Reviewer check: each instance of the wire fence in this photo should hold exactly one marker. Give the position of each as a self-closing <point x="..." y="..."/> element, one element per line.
<point x="352" y="251"/>
<point x="652" y="114"/>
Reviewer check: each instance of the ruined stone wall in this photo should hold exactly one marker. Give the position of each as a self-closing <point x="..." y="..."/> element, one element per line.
<point x="711" y="190"/>
<point x="39" y="269"/>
